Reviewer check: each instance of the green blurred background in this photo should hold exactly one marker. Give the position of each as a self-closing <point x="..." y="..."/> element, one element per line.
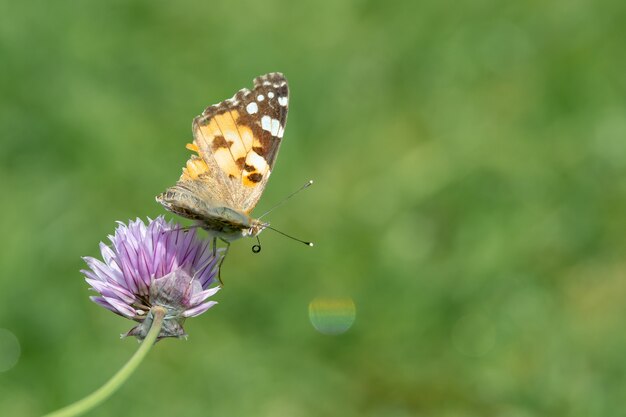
<point x="470" y="197"/>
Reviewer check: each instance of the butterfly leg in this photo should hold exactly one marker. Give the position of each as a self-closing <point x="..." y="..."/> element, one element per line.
<point x="219" y="268"/>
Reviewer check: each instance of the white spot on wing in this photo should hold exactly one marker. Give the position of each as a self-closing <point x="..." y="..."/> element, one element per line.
<point x="282" y="101"/>
<point x="266" y="123"/>
<point x="280" y="132"/>
<point x="260" y="97"/>
<point x="257" y="161"/>
<point x="270" y="94"/>
<point x="275" y="127"/>
<point x="252" y="108"/>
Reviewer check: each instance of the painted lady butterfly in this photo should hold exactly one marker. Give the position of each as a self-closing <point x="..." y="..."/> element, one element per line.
<point x="236" y="142"/>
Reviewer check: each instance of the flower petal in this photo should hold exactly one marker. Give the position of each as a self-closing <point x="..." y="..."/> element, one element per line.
<point x="197" y="310"/>
<point x="203" y="295"/>
<point x="112" y="290"/>
<point x="124" y="309"/>
<point x="102" y="271"/>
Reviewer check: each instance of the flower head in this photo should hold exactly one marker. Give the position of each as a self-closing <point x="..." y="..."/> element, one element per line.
<point x="158" y="264"/>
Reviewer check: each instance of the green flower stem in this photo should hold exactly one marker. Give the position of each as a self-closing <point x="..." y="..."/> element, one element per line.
<point x="105" y="391"/>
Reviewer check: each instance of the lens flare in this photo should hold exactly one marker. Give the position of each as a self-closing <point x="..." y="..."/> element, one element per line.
<point x="9" y="350"/>
<point x="332" y="316"/>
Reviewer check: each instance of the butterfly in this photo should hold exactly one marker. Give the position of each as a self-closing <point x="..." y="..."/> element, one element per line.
<point x="236" y="143"/>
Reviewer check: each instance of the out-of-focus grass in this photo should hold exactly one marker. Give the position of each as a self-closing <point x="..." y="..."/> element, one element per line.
<point x="470" y="198"/>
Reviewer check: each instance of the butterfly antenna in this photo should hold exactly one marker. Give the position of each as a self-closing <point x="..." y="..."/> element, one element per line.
<point x="308" y="184"/>
<point x="286" y="235"/>
<point x="257" y="248"/>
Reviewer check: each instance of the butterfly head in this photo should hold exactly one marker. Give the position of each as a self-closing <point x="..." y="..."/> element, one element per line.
<point x="256" y="227"/>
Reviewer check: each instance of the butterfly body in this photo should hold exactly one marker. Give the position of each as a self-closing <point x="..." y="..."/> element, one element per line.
<point x="225" y="223"/>
<point x="236" y="142"/>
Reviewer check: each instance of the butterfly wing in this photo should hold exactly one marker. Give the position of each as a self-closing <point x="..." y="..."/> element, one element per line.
<point x="237" y="142"/>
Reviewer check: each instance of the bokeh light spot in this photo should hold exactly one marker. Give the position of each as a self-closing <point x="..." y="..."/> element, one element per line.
<point x="9" y="350"/>
<point x="332" y="316"/>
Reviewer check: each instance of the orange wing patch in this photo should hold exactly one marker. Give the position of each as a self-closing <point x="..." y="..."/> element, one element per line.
<point x="194" y="169"/>
<point x="192" y="147"/>
<point x="231" y="145"/>
<point x="255" y="169"/>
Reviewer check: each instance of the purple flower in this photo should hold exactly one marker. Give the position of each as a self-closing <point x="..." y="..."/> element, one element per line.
<point x="155" y="265"/>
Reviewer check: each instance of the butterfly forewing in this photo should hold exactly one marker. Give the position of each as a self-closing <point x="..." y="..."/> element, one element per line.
<point x="240" y="138"/>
